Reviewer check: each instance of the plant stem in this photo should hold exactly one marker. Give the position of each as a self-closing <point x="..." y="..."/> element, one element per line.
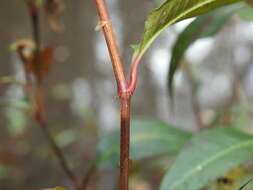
<point x="59" y="155"/>
<point x="124" y="142"/>
<point x="125" y="90"/>
<point x="88" y="175"/>
<point x="194" y="100"/>
<point x="40" y="115"/>
<point x="112" y="45"/>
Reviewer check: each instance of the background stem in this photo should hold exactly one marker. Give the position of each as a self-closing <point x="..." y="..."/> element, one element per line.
<point x="40" y="115"/>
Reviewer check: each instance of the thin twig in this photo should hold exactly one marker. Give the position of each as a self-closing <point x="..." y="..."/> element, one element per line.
<point x="40" y="113"/>
<point x="194" y="100"/>
<point x="88" y="175"/>
<point x="59" y="155"/>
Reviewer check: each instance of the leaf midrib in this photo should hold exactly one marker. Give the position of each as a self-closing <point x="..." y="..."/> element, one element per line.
<point x="219" y="155"/>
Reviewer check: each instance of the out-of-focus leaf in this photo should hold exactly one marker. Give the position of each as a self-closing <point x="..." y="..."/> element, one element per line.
<point x="20" y="104"/>
<point x="4" y="171"/>
<point x="16" y="121"/>
<point x="24" y="42"/>
<point x="10" y="79"/>
<point x="209" y="155"/>
<point x="148" y="138"/>
<point x="239" y="117"/>
<point x="61" y="91"/>
<point x="45" y="63"/>
<point x="171" y="12"/>
<point x="47" y="59"/>
<point x="40" y="2"/>
<point x="67" y="137"/>
<point x="246" y="13"/>
<point x="55" y="188"/>
<point x="203" y="26"/>
<point x="26" y="51"/>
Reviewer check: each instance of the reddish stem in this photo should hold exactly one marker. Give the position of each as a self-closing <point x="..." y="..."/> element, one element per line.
<point x="125" y="90"/>
<point x="112" y="45"/>
<point x="124" y="142"/>
<point x="40" y="115"/>
<point x="133" y="74"/>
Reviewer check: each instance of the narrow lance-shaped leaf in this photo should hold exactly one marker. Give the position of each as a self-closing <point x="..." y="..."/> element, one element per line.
<point x="209" y="155"/>
<point x="171" y="12"/>
<point x="148" y="138"/>
<point x="203" y="26"/>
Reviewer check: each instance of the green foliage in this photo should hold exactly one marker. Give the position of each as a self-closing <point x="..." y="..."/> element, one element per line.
<point x="67" y="136"/>
<point x="148" y="138"/>
<point x="38" y="2"/>
<point x="17" y="121"/>
<point x="204" y="26"/>
<point x="246" y="13"/>
<point x="15" y="103"/>
<point x="244" y="185"/>
<point x="210" y="154"/>
<point x="171" y="12"/>
<point x="10" y="79"/>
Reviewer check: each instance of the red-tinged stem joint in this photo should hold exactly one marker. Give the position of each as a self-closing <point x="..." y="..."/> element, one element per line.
<point x="125" y="89"/>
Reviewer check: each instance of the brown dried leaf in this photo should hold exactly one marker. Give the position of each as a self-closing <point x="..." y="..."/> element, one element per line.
<point x="47" y="58"/>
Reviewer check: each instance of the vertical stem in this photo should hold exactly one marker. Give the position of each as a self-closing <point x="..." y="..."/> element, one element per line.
<point x="194" y="100"/>
<point x="40" y="116"/>
<point x="124" y="142"/>
<point x="105" y="23"/>
<point x="123" y="91"/>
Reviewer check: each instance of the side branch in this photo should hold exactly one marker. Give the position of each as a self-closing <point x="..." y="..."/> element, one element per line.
<point x="59" y="155"/>
<point x="133" y="74"/>
<point x="40" y="115"/>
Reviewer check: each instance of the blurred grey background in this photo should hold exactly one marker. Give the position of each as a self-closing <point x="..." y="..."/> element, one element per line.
<point x="81" y="97"/>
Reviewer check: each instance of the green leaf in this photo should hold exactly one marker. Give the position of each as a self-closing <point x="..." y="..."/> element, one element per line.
<point x="203" y="26"/>
<point x="243" y="186"/>
<point x="16" y="103"/>
<point x="10" y="79"/>
<point x="16" y="121"/>
<point x="210" y="154"/>
<point x="171" y="12"/>
<point x="246" y="13"/>
<point x="148" y="138"/>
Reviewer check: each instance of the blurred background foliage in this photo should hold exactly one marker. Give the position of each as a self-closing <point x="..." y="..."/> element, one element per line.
<point x="212" y="86"/>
